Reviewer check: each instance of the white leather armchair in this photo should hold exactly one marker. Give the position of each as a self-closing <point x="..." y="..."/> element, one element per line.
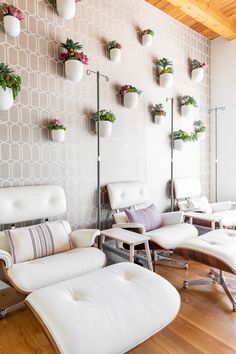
<point x="197" y="208"/>
<point x="135" y="194"/>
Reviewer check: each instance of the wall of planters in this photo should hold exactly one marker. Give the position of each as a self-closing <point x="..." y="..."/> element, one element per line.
<point x="51" y="90"/>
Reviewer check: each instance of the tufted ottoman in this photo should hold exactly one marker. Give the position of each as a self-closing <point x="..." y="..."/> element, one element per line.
<point x="216" y="249"/>
<point x="108" y="311"/>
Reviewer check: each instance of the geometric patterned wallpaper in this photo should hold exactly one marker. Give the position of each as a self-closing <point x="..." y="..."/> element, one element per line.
<point x="138" y="149"/>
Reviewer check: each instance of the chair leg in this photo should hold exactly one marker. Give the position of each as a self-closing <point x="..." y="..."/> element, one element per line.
<point x="165" y="257"/>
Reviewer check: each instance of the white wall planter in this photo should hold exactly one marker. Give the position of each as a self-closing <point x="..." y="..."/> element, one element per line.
<point x="179" y="144"/>
<point x="158" y="119"/>
<point x="105" y="128"/>
<point x="11" y="25"/>
<point x="186" y="110"/>
<point x="6" y="98"/>
<point x="146" y="40"/>
<point x="66" y="9"/>
<point x="58" y="136"/>
<point x="74" y="70"/>
<point x="131" y="99"/>
<point x="201" y="135"/>
<point x="197" y="75"/>
<point x="166" y="80"/>
<point x="115" y="54"/>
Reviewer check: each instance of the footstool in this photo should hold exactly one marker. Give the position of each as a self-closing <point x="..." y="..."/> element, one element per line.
<point x="108" y="311"/>
<point x="216" y="249"/>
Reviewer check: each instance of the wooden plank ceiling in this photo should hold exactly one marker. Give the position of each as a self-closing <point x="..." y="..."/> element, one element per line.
<point x="210" y="18"/>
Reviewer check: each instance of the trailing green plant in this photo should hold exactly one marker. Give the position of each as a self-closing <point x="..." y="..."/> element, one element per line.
<point x="105" y="115"/>
<point x="199" y="126"/>
<point x="182" y="135"/>
<point x="158" y="110"/>
<point x="113" y="44"/>
<point x="56" y="124"/>
<point x="166" y="65"/>
<point x="148" y="31"/>
<point x="9" y="79"/>
<point x="187" y="101"/>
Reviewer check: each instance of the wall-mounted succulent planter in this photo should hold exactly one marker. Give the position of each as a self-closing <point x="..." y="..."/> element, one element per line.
<point x="74" y="70"/>
<point x="166" y="80"/>
<point x="179" y="144"/>
<point x="197" y="70"/>
<point x="158" y="113"/>
<point x="201" y="135"/>
<point x="186" y="110"/>
<point x="146" y="37"/>
<point x="66" y="8"/>
<point x="187" y="105"/>
<point x="115" y="54"/>
<point x="106" y="120"/>
<point x="105" y="129"/>
<point x="11" y="19"/>
<point x="58" y="136"/>
<point x="6" y="98"/>
<point x="131" y="100"/>
<point x="165" y="72"/>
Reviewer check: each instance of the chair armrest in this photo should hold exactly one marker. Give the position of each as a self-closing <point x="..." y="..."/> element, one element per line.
<point x="6" y="258"/>
<point x="127" y="225"/>
<point x="220" y="206"/>
<point x="84" y="237"/>
<point x="175" y="217"/>
<point x="205" y="217"/>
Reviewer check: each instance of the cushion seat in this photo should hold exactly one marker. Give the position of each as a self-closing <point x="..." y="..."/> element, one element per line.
<point x="171" y="236"/>
<point x="107" y="311"/>
<point x="39" y="273"/>
<point x="228" y="217"/>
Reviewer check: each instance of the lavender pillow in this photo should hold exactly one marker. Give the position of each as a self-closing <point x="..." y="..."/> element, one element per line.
<point x="149" y="217"/>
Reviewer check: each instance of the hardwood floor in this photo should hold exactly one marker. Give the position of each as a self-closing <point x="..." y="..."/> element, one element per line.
<point x="205" y="324"/>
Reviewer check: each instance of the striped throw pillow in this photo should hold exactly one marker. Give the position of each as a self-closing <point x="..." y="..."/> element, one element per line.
<point x="38" y="241"/>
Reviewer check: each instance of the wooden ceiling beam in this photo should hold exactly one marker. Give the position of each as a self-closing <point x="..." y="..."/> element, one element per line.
<point x="212" y="18"/>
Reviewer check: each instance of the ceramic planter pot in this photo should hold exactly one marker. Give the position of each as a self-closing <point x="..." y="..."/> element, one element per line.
<point x="166" y="80"/>
<point x="146" y="40"/>
<point x="201" y="135"/>
<point x="105" y="128"/>
<point x="74" y="70"/>
<point x="11" y="25"/>
<point x="58" y="136"/>
<point x="178" y="144"/>
<point x="66" y="9"/>
<point x="131" y="99"/>
<point x="158" y="119"/>
<point x="186" y="110"/>
<point x="6" y="98"/>
<point x="115" y="54"/>
<point x="197" y="74"/>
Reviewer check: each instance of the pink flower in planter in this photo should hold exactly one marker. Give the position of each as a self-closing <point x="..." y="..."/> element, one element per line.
<point x="82" y="57"/>
<point x="64" y="56"/>
<point x="13" y="11"/>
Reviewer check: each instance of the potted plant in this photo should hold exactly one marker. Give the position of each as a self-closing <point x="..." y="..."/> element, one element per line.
<point x="65" y="8"/>
<point x="158" y="113"/>
<point x="10" y="85"/>
<point x="130" y="96"/>
<point x="165" y="72"/>
<point x="200" y="129"/>
<point x="197" y="70"/>
<point x="147" y="36"/>
<point x="11" y="19"/>
<point x="74" y="60"/>
<point x="114" y="49"/>
<point x="180" y="137"/>
<point x="57" y="130"/>
<point x="186" y="105"/>
<point x="106" y="119"/>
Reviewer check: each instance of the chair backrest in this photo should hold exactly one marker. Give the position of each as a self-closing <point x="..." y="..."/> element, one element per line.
<point x="18" y="204"/>
<point x="187" y="187"/>
<point x="127" y="194"/>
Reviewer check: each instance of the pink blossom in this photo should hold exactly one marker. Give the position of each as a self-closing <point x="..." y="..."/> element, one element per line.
<point x="64" y="56"/>
<point x="82" y="57"/>
<point x="57" y="121"/>
<point x="13" y="11"/>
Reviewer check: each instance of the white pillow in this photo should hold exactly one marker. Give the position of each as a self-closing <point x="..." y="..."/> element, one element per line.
<point x="200" y="203"/>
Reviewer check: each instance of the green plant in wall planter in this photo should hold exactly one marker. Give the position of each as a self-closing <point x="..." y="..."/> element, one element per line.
<point x="10" y="85"/>
<point x="65" y="8"/>
<point x="74" y="59"/>
<point x="130" y="96"/>
<point x="166" y="71"/>
<point x="197" y="70"/>
<point x="180" y="137"/>
<point x="147" y="36"/>
<point x="114" y="49"/>
<point x="11" y="19"/>
<point x="57" y="130"/>
<point x="200" y="129"/>
<point x="106" y="120"/>
<point x="158" y="113"/>
<point x="187" y="103"/>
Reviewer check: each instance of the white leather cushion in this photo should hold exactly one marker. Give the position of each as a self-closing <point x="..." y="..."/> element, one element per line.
<point x="218" y="243"/>
<point x="171" y="236"/>
<point x="39" y="240"/>
<point x="200" y="203"/>
<point x="4" y="242"/>
<point x="228" y="217"/>
<point x="39" y="273"/>
<point x="108" y="311"/>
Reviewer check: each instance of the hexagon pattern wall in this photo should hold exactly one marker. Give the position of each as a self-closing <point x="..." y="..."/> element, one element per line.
<point x="138" y="149"/>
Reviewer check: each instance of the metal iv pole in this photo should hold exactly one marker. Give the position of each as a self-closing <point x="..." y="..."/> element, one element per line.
<point x="172" y="153"/>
